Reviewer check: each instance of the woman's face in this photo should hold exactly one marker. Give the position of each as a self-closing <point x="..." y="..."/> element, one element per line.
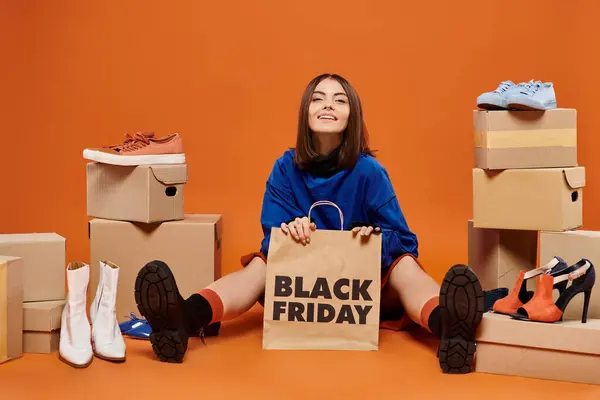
<point x="329" y="108"/>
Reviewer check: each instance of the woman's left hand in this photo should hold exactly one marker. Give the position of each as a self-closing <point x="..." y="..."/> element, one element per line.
<point x="365" y="230"/>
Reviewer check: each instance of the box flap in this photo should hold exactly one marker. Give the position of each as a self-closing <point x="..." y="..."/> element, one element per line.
<point x="572" y="336"/>
<point x="575" y="177"/>
<point x="170" y="174"/>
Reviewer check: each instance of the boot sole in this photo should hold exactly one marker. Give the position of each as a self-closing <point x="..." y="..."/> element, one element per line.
<point x="105" y="358"/>
<point x="461" y="307"/>
<point x="79" y="366"/>
<point x="157" y="299"/>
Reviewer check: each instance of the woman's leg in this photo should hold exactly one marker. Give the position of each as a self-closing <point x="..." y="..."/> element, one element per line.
<point x="418" y="292"/>
<point x="174" y="319"/>
<point x="240" y="290"/>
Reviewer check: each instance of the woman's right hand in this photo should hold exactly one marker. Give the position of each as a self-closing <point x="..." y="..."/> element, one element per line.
<point x="299" y="229"/>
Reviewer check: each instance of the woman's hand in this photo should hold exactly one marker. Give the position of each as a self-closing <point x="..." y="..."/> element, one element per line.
<point x="299" y="229"/>
<point x="365" y="230"/>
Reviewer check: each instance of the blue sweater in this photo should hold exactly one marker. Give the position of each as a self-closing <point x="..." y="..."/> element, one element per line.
<point x="363" y="193"/>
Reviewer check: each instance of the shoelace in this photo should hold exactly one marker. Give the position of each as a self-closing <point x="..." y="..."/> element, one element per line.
<point x="134" y="317"/>
<point x="504" y="86"/>
<point x="531" y="87"/>
<point x="129" y="139"/>
<point x="135" y="142"/>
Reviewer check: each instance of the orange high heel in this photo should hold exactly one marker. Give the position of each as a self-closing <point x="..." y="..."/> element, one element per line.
<point x="520" y="295"/>
<point x="542" y="308"/>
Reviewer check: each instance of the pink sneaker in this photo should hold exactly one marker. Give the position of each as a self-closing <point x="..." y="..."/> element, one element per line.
<point x="140" y="149"/>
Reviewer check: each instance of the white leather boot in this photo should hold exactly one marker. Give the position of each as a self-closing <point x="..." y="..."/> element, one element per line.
<point x="75" y="346"/>
<point x="107" y="340"/>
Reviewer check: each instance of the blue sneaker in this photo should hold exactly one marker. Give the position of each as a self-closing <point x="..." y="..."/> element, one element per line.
<point x="141" y="330"/>
<point x="134" y="321"/>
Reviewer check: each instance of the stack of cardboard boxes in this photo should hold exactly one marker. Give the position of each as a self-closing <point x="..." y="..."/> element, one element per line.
<point x="139" y="217"/>
<point x="527" y="184"/>
<point x="32" y="293"/>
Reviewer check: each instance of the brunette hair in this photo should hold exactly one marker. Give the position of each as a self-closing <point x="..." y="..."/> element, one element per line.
<point x="355" y="138"/>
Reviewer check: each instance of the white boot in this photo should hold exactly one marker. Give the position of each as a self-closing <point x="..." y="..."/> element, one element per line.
<point x="106" y="334"/>
<point x="75" y="346"/>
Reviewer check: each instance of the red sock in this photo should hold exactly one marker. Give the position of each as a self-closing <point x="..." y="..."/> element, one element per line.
<point x="430" y="318"/>
<point x="215" y="302"/>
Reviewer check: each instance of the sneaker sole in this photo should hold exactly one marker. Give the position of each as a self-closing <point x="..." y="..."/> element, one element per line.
<point x="157" y="299"/>
<point x="115" y="159"/>
<point x="461" y="307"/>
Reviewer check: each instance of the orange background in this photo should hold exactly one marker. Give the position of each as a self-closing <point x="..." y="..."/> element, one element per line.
<point x="229" y="75"/>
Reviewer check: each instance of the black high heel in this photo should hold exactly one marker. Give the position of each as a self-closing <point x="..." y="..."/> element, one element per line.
<point x="542" y="308"/>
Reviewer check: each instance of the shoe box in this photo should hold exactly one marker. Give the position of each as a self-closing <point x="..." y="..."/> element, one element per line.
<point x="145" y="193"/>
<point x="191" y="247"/>
<point x="41" y="326"/>
<point x="44" y="258"/>
<point x="498" y="255"/>
<point x="525" y="139"/>
<point x="529" y="199"/>
<point x="572" y="246"/>
<point x="11" y="307"/>
<point x="561" y="351"/>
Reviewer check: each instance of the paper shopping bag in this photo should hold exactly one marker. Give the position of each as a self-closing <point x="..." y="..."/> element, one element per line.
<point x="324" y="295"/>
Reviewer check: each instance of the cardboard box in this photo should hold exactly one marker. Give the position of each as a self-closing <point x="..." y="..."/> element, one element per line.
<point x="498" y="255"/>
<point x="562" y="351"/>
<point x="525" y="139"/>
<point x="572" y="246"/>
<point x="191" y="247"/>
<point x="11" y="307"/>
<point x="44" y="258"/>
<point x="528" y="199"/>
<point x="41" y="326"/>
<point x="43" y="316"/>
<point x="41" y="342"/>
<point x="146" y="193"/>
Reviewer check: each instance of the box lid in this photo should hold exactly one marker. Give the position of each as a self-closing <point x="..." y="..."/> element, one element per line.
<point x="572" y="336"/>
<point x="7" y="259"/>
<point x="211" y="219"/>
<point x="170" y="174"/>
<point x="43" y="316"/>
<point x="29" y="237"/>
<point x="575" y="177"/>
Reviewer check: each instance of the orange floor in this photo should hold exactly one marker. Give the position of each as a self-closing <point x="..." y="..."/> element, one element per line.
<point x="233" y="366"/>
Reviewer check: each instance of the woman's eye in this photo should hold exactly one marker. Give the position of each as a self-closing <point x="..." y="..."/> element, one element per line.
<point x="342" y="101"/>
<point x="316" y="99"/>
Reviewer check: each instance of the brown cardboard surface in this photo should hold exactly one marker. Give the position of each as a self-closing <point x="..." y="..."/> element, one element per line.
<point x="528" y="199"/>
<point x="42" y="316"/>
<point x="41" y="342"/>
<point x="191" y="247"/>
<point x="524" y="157"/>
<point x="525" y="139"/>
<point x="498" y="255"/>
<point x="572" y="246"/>
<point x="44" y="258"/>
<point x="567" y="351"/>
<point x="144" y="193"/>
<point x="11" y="307"/>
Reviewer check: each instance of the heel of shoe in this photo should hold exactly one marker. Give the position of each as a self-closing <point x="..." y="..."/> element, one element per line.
<point x="456" y="355"/>
<point x="169" y="346"/>
<point x="586" y="303"/>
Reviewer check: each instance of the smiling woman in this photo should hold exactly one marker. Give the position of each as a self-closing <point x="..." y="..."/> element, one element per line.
<point x="330" y="115"/>
<point x="332" y="161"/>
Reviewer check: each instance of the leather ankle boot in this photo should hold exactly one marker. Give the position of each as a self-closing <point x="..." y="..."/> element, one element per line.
<point x="107" y="339"/>
<point x="75" y="347"/>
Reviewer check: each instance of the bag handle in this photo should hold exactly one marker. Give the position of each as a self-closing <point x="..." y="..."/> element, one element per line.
<point x="329" y="203"/>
